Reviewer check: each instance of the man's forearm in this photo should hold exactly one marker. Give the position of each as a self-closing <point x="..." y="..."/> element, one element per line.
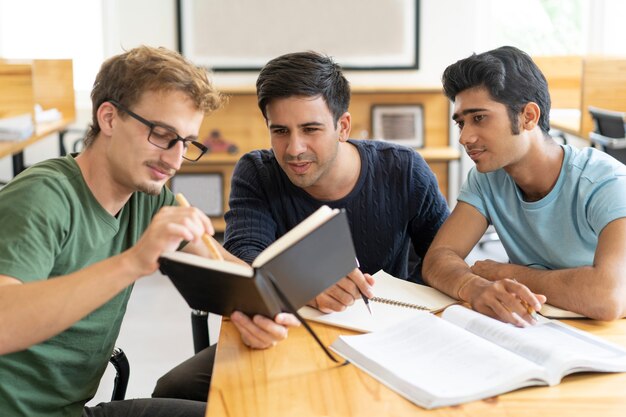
<point x="33" y="312"/>
<point x="586" y="290"/>
<point x="445" y="270"/>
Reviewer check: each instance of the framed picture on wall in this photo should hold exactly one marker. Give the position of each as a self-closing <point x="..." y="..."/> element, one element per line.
<point x="203" y="190"/>
<point x="401" y="124"/>
<point x="235" y="35"/>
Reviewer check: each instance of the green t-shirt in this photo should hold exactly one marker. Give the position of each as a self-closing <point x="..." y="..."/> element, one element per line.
<point x="52" y="225"/>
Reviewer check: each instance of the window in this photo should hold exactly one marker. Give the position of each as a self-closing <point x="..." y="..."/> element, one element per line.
<point x="538" y="27"/>
<point x="41" y="29"/>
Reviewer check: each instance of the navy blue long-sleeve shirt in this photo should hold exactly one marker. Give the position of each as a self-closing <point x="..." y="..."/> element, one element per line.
<point x="395" y="201"/>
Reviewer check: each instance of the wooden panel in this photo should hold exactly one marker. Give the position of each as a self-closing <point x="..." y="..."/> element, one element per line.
<point x="27" y="82"/>
<point x="48" y="82"/>
<point x="53" y="85"/>
<point x="435" y="106"/>
<point x="240" y="121"/>
<point x="604" y="85"/>
<point x="564" y="76"/>
<point x="16" y="88"/>
<point x="440" y="169"/>
<point x="577" y="83"/>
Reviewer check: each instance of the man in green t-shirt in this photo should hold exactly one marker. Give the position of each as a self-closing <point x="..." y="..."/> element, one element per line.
<point x="76" y="232"/>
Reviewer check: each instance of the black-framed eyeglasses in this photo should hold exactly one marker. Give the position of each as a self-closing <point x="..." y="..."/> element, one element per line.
<point x="166" y="138"/>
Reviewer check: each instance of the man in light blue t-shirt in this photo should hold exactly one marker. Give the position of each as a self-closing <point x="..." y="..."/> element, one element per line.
<point x="559" y="211"/>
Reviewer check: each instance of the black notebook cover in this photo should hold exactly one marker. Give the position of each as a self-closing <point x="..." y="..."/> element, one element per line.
<point x="220" y="292"/>
<point x="303" y="270"/>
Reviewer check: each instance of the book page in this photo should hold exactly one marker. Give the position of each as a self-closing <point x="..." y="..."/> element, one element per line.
<point x="395" y="289"/>
<point x="559" y="348"/>
<point x="384" y="314"/>
<point x="201" y="262"/>
<point x="433" y="362"/>
<point x="357" y="317"/>
<point x="305" y="227"/>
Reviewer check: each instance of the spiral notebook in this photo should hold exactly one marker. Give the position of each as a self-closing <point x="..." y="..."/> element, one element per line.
<point x="395" y="300"/>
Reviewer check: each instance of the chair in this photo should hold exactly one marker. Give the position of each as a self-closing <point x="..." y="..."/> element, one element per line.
<point x="610" y="132"/>
<point x="122" y="368"/>
<point x="200" y="332"/>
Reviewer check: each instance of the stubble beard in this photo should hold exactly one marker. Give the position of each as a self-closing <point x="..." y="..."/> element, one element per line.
<point x="154" y="187"/>
<point x="150" y="189"/>
<point x="311" y="178"/>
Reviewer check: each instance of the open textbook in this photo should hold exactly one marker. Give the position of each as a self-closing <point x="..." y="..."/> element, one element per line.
<point x="465" y="356"/>
<point x="304" y="262"/>
<point x="395" y="300"/>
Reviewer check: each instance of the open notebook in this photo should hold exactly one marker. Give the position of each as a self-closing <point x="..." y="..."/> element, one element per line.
<point x="395" y="300"/>
<point x="558" y="313"/>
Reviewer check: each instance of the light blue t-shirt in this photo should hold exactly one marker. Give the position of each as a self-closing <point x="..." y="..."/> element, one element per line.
<point x="561" y="230"/>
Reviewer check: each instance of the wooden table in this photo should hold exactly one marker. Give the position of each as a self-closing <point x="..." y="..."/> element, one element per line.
<point x="42" y="130"/>
<point x="295" y="378"/>
<point x="566" y="120"/>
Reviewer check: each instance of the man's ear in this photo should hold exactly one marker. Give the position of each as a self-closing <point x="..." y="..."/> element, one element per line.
<point x="530" y="115"/>
<point x="106" y="115"/>
<point x="345" y="126"/>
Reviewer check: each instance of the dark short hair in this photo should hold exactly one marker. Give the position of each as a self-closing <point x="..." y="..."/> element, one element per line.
<point x="510" y="76"/>
<point x="307" y="74"/>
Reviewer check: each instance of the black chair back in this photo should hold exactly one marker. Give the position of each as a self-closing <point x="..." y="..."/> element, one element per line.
<point x="608" y="123"/>
<point x="610" y="132"/>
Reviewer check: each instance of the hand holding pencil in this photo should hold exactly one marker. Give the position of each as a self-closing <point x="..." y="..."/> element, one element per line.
<point x="206" y="238"/>
<point x="343" y="293"/>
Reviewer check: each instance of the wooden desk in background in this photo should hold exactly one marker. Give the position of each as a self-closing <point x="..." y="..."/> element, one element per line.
<point x="24" y="84"/>
<point x="43" y="130"/>
<point x="567" y="121"/>
<point x="295" y="378"/>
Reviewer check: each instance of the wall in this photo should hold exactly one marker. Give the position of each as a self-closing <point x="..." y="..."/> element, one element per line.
<point x="440" y="29"/>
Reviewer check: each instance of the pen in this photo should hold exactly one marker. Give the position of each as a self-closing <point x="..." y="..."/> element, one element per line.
<point x="531" y="311"/>
<point x="365" y="299"/>
<point x="215" y="253"/>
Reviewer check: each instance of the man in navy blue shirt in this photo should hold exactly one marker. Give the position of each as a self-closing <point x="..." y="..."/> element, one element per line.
<point x="389" y="193"/>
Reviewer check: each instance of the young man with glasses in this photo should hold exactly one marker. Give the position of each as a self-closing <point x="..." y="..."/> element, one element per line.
<point x="76" y="232"/>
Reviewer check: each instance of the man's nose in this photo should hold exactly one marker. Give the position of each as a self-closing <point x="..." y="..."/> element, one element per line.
<point x="296" y="146"/>
<point x="467" y="136"/>
<point x="174" y="155"/>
